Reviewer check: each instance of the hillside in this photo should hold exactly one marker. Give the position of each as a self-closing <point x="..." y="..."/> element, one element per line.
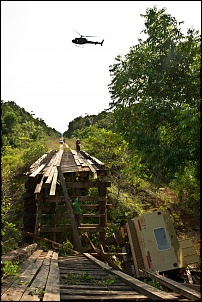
<point x="133" y="190"/>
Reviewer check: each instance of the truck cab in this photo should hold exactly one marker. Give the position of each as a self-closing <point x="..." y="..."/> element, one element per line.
<point x="151" y="244"/>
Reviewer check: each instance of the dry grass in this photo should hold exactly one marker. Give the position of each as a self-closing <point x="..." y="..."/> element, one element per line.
<point x="53" y="144"/>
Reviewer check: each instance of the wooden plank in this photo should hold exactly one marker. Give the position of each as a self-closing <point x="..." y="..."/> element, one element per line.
<point x="114" y="286"/>
<point x="138" y="285"/>
<point x="81" y="198"/>
<point x="93" y="215"/>
<point x="67" y="297"/>
<point x="37" y="170"/>
<point x="39" y="186"/>
<point x="71" y="214"/>
<point x="91" y="229"/>
<point x="52" y="289"/>
<point x="35" y="290"/>
<point x="15" y="292"/>
<point x="94" y="159"/>
<point x="30" y="260"/>
<point x="50" y="175"/>
<point x="48" y="258"/>
<point x="47" y="229"/>
<point x="54" y="182"/>
<point x="88" y="184"/>
<point x="92" y="169"/>
<point x="58" y="157"/>
<point x="175" y="286"/>
<point x="54" y="172"/>
<point x="56" y="161"/>
<point x="36" y="163"/>
<point x="89" y="242"/>
<point x="39" y="214"/>
<point x="94" y="206"/>
<point x="28" y="252"/>
<point x="97" y="161"/>
<point x="61" y="229"/>
<point x="52" y="242"/>
<point x="49" y="166"/>
<point x="130" y="294"/>
<point x="19" y="254"/>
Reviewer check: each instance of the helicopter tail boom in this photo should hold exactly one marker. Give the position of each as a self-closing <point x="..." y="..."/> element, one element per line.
<point x="101" y="42"/>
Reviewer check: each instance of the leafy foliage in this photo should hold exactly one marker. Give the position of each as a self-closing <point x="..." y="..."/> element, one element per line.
<point x="154" y="129"/>
<point x="19" y="127"/>
<point x="21" y="146"/>
<point x="155" y="92"/>
<point x="10" y="269"/>
<point x="102" y="120"/>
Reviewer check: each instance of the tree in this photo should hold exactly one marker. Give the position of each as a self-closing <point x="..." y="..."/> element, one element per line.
<point x="155" y="91"/>
<point x="9" y="122"/>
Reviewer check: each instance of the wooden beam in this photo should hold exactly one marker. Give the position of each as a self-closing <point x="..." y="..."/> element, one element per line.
<point x="88" y="184"/>
<point x="50" y="175"/>
<point x="39" y="238"/>
<point x="89" y="242"/>
<point x="71" y="214"/>
<point x="37" y="170"/>
<point x="91" y="229"/>
<point x="39" y="214"/>
<point x="145" y="289"/>
<point x="49" y="229"/>
<point x="81" y="198"/>
<point x="36" y="163"/>
<point x="93" y="215"/>
<point x="52" y="289"/>
<point x="189" y="293"/>
<point x="39" y="186"/>
<point x="54" y="182"/>
<point x="49" y="166"/>
<point x="94" y="206"/>
<point x="53" y="167"/>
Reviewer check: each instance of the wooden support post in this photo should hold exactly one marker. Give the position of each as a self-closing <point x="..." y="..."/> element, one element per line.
<point x="52" y="224"/>
<point x="39" y="213"/>
<point x="102" y="210"/>
<point x="71" y="214"/>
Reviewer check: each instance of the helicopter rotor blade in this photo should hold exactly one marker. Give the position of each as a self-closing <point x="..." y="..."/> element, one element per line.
<point x="82" y="35"/>
<point x="78" y="33"/>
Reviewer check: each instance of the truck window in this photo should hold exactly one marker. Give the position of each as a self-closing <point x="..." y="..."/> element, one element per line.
<point x="161" y="239"/>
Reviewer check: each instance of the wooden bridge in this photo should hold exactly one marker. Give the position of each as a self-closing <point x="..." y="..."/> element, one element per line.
<point x="85" y="272"/>
<point x="52" y="181"/>
<point x="45" y="276"/>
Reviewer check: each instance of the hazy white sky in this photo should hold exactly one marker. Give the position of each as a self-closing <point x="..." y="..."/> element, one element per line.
<point x="44" y="72"/>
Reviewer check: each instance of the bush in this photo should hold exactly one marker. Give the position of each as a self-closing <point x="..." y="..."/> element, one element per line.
<point x="31" y="154"/>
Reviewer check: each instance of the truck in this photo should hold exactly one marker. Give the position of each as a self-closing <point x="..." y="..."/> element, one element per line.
<point x="151" y="244"/>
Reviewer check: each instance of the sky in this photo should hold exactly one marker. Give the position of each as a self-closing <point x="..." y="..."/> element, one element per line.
<point x="43" y="72"/>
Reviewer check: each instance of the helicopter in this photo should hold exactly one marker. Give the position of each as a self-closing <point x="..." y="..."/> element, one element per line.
<point x="83" y="40"/>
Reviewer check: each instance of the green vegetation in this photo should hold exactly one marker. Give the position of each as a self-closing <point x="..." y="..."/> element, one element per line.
<point x="86" y="278"/>
<point x="10" y="269"/>
<point x="149" y="137"/>
<point x="37" y="291"/>
<point x="152" y="133"/>
<point x="24" y="139"/>
<point x="155" y="93"/>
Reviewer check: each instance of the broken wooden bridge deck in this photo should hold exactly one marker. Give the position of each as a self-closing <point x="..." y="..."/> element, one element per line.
<point x="45" y="276"/>
<point x="70" y="162"/>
